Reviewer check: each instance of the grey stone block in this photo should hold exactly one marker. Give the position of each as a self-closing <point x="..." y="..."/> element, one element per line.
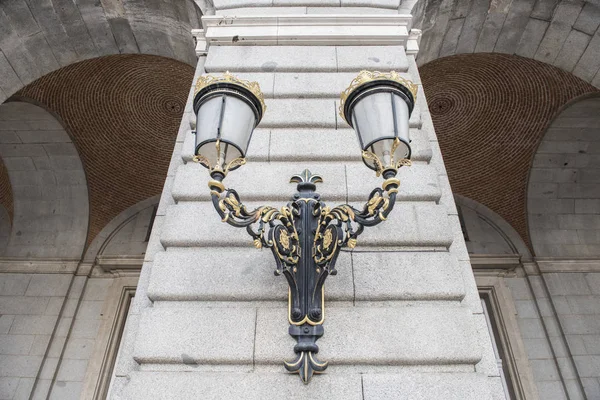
<point x="279" y="3"/>
<point x="563" y="19"/>
<point x="204" y="335"/>
<point x="23" y="305"/>
<point x="237" y="275"/>
<point x="551" y="390"/>
<point x="430" y="386"/>
<point x="5" y="323"/>
<point x="581" y="221"/>
<point x="589" y="63"/>
<point x="532" y="36"/>
<point x="262" y="11"/>
<point x="531" y="328"/>
<point x="544" y="370"/>
<point x="84" y="328"/>
<point x="290" y="113"/>
<point x="381" y="58"/>
<point x="24" y="388"/>
<point x="16" y="344"/>
<point x="260" y="181"/>
<point x="7" y="137"/>
<point x="584" y="304"/>
<point x="46" y="135"/>
<point x="579" y="190"/>
<point x="14" y="284"/>
<point x="391" y="276"/>
<point x="72" y="370"/>
<point x="315" y="85"/>
<point x="19" y="164"/>
<point x="33" y="325"/>
<point x="412" y="224"/>
<point x="60" y="149"/>
<point x="19" y="366"/>
<point x="418" y="182"/>
<point x="62" y="390"/>
<point x="236" y="385"/>
<point x="343" y="145"/>
<point x="39" y="346"/>
<point x="8" y="387"/>
<point x="391" y="4"/>
<point x="526" y="309"/>
<point x="271" y="58"/>
<point x="538" y="349"/>
<point x="571" y="51"/>
<point x="224" y="4"/>
<point x="588" y="366"/>
<point x="592" y="387"/>
<point x="378" y="336"/>
<point x="589" y="19"/>
<point x="48" y="285"/>
<point x="22" y="150"/>
<point x="566" y="284"/>
<point x="258" y="150"/>
<point x="472" y="27"/>
<point x="97" y="288"/>
<point x="579" y="324"/>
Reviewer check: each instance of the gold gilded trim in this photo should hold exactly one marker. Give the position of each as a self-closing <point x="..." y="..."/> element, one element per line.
<point x="253" y="87"/>
<point x="370" y="76"/>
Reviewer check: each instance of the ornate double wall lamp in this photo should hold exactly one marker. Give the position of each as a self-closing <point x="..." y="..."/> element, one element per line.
<point x="306" y="235"/>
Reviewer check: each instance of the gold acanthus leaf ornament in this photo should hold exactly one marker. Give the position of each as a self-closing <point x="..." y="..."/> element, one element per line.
<point x="253" y="87"/>
<point x="327" y="239"/>
<point x="369" y="76"/>
<point x="284" y="239"/>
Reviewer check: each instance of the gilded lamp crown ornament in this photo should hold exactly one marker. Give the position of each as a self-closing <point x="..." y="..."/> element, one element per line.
<point x="305" y="236"/>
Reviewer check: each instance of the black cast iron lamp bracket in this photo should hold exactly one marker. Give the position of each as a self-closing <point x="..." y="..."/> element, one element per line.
<point x="306" y="235"/>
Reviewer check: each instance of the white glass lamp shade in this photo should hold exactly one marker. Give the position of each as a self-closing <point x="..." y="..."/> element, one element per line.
<point x="226" y="117"/>
<point x="379" y="112"/>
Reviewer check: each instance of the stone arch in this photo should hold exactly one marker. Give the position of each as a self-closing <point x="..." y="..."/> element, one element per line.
<point x="564" y="184"/>
<point x="37" y="37"/>
<point x="49" y="187"/>
<point x="490" y="111"/>
<point x="486" y="232"/>
<point x="123" y="113"/>
<point x="560" y="33"/>
<point x="121" y="235"/>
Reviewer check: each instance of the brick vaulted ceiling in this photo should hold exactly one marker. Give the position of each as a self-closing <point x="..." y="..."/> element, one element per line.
<point x="123" y="113"/>
<point x="490" y="112"/>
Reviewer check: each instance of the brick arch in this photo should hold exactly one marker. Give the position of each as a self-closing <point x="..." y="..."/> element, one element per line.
<point x="123" y="113"/>
<point x="490" y="112"/>
<point x="562" y="33"/>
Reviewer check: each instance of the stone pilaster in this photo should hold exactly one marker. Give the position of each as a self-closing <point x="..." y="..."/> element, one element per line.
<point x="403" y="317"/>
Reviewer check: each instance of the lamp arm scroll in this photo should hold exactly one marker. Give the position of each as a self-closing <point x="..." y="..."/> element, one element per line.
<point x="336" y="227"/>
<point x="269" y="227"/>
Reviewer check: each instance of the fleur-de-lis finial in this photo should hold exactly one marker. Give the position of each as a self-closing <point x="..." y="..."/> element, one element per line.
<point x="306" y="177"/>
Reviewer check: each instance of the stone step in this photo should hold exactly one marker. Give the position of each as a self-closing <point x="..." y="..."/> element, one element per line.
<point x="419" y="334"/>
<point x="305" y="58"/>
<point x="347" y="386"/>
<point x="247" y="275"/>
<point x="311" y="145"/>
<point x="342" y="181"/>
<point x="411" y="224"/>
